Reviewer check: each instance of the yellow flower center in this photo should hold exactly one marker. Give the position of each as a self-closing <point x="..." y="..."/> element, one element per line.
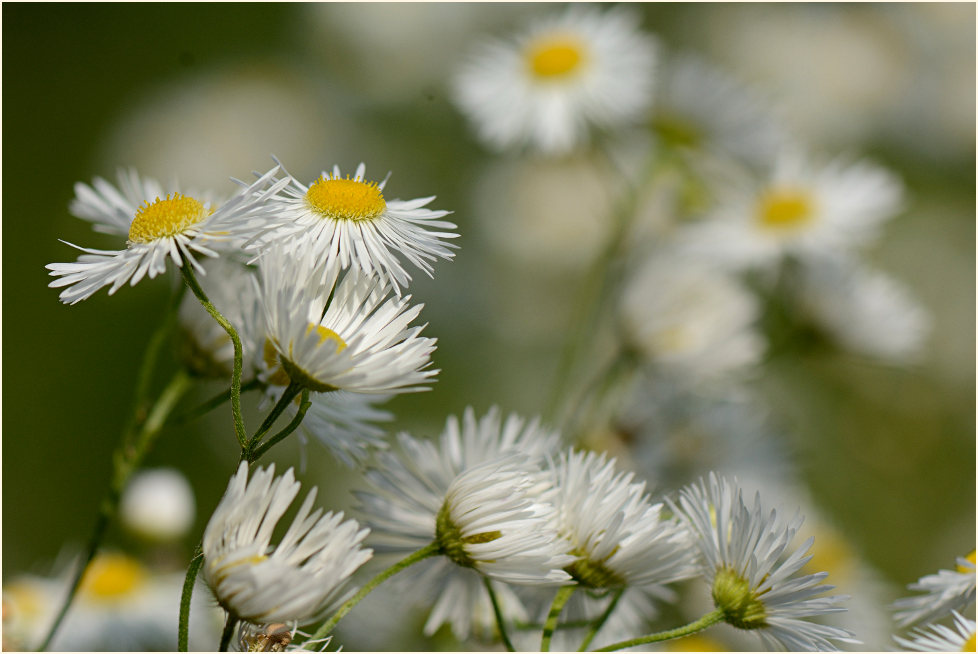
<point x="112" y="576"/>
<point x="165" y="217"/>
<point x="346" y="199"/>
<point x="591" y="573"/>
<point x="970" y="557"/>
<point x="785" y="208"/>
<point x="327" y="334"/>
<point x="969" y="645"/>
<point x="555" y="57"/>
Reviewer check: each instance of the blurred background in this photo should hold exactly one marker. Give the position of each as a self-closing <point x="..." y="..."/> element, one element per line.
<point x="202" y="92"/>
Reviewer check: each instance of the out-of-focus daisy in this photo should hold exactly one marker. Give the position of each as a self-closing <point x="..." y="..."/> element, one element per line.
<point x="691" y="319"/>
<point x="121" y="605"/>
<point x="619" y="538"/>
<point x="348" y="222"/>
<point x="944" y="592"/>
<point x="297" y="579"/>
<point x="940" y="638"/>
<point x="753" y="583"/>
<point x="799" y="207"/>
<point x="408" y="487"/>
<point x="158" y="504"/>
<point x="159" y="227"/>
<point x="343" y="421"/>
<point x="565" y="74"/>
<point x="866" y="311"/>
<point x="685" y="115"/>
<point x="347" y="334"/>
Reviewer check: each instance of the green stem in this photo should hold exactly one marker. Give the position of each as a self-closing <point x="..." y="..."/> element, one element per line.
<point x="212" y="403"/>
<point x="288" y="395"/>
<point x="229" y="626"/>
<point x="125" y="460"/>
<point x="239" y="429"/>
<point x="550" y="626"/>
<point x="304" y="405"/>
<point x="185" y="596"/>
<point x="425" y="552"/>
<point x="596" y="627"/>
<point x="707" y="620"/>
<point x="499" y="615"/>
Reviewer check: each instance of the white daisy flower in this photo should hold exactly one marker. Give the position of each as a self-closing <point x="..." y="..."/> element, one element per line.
<point x="691" y="319"/>
<point x="940" y="638"/>
<point x="407" y="491"/>
<point x="800" y="207"/>
<point x="296" y="580"/>
<point x="347" y="334"/>
<point x="755" y="585"/>
<point x="158" y="227"/>
<point x="158" y="505"/>
<point x="619" y="538"/>
<point x="343" y="421"/>
<point x="945" y="591"/>
<point x="562" y="76"/>
<point x="688" y="92"/>
<point x="348" y="222"/>
<point x="866" y="311"/>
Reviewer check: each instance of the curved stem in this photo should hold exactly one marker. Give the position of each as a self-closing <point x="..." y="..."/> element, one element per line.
<point x="229" y="626"/>
<point x="239" y="429"/>
<point x="304" y="405"/>
<point x="125" y="461"/>
<point x="183" y="628"/>
<point x="499" y="615"/>
<point x="288" y="395"/>
<point x="596" y="627"/>
<point x="550" y="626"/>
<point x="425" y="552"/>
<point x="707" y="620"/>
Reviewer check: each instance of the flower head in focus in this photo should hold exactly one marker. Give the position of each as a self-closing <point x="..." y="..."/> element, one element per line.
<point x="565" y="74"/>
<point x="617" y="536"/>
<point x="158" y="226"/>
<point x="753" y="583"/>
<point x="408" y="489"/>
<point x="297" y="579"/>
<point x="348" y="223"/>
<point x="345" y="334"/>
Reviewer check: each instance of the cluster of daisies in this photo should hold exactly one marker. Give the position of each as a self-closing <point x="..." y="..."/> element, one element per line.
<point x="503" y="529"/>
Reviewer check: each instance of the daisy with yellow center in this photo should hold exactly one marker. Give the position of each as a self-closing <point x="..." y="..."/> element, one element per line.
<point x="346" y="334"/>
<point x="158" y="226"/>
<point x="347" y="222"/>
<point x="800" y="206"/>
<point x="564" y="75"/>
<point x="941" y="638"/>
<point x="296" y="580"/>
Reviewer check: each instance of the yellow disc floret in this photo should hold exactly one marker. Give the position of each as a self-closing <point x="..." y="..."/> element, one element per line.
<point x="555" y="57"/>
<point x="112" y="576"/>
<point x="327" y="334"/>
<point x="785" y="208"/>
<point x="971" y="558"/>
<point x="346" y="199"/>
<point x="969" y="645"/>
<point x="165" y="217"/>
